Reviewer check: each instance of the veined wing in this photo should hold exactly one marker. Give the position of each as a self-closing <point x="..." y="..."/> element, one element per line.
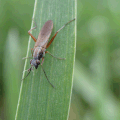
<point x="44" y="34"/>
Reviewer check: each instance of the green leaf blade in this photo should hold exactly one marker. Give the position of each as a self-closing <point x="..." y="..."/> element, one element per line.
<point x="38" y="99"/>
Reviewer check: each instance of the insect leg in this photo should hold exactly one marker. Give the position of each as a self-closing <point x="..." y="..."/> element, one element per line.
<point x="26" y="57"/>
<point x="47" y="77"/>
<point x="54" y="56"/>
<point x="32" y="51"/>
<point x="30" y="56"/>
<point x="31" y="34"/>
<point x="42" y="60"/>
<point x="57" y="33"/>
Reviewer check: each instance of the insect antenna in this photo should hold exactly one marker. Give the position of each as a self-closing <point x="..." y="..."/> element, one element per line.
<point x="28" y="72"/>
<point x="47" y="77"/>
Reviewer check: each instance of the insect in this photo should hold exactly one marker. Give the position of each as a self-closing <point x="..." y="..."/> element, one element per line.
<point x="41" y="44"/>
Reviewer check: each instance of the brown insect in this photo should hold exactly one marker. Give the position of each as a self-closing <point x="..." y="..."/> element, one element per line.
<point x="41" y="44"/>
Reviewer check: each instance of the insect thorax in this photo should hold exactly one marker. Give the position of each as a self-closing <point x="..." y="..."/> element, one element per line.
<point x="38" y="53"/>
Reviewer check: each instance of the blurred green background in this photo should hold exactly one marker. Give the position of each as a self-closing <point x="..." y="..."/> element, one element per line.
<point x="96" y="89"/>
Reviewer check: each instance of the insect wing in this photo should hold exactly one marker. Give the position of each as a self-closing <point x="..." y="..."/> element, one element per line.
<point x="44" y="34"/>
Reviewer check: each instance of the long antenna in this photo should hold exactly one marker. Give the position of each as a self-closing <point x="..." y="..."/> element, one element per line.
<point x="47" y="77"/>
<point x="28" y="73"/>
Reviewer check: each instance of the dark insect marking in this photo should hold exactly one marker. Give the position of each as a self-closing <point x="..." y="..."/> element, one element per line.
<point x="40" y="55"/>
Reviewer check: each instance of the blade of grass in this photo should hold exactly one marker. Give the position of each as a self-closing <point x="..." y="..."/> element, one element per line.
<point x="91" y="94"/>
<point x="11" y="73"/>
<point x="37" y="99"/>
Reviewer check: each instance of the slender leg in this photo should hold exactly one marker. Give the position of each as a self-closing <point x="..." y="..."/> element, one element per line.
<point x="54" y="56"/>
<point x="47" y="77"/>
<point x="30" y="56"/>
<point x="57" y="33"/>
<point x="45" y="73"/>
<point x="42" y="60"/>
<point x="31" y="34"/>
<point x="32" y="51"/>
<point x="26" y="57"/>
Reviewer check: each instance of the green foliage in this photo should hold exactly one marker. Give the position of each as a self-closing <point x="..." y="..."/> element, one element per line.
<point x="11" y="73"/>
<point x="38" y="99"/>
<point x="96" y="93"/>
<point x="96" y="81"/>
